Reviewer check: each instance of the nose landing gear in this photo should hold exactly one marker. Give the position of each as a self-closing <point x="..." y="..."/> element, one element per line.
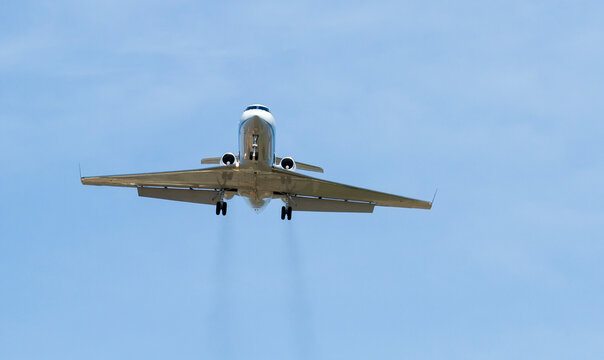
<point x="254" y="152"/>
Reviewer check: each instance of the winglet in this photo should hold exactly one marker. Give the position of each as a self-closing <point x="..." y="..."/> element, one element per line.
<point x="80" y="170"/>
<point x="433" y="198"/>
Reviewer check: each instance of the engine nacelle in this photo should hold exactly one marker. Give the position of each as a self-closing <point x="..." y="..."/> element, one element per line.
<point x="228" y="159"/>
<point x="288" y="163"/>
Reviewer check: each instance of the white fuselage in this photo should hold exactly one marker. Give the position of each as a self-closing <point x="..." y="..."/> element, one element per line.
<point x="256" y="153"/>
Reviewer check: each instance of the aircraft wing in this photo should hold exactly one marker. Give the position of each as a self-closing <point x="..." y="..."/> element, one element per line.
<point x="222" y="177"/>
<point x="312" y="189"/>
<point x="307" y="193"/>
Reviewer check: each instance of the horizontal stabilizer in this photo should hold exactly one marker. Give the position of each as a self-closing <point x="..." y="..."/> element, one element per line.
<point x="187" y="195"/>
<point x="307" y="167"/>
<point x="303" y="166"/>
<point x="214" y="160"/>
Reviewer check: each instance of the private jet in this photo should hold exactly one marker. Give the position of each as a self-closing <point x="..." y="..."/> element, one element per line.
<point x="259" y="176"/>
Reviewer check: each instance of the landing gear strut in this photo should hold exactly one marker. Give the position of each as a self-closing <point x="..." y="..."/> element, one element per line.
<point x="254" y="152"/>
<point x="286" y="211"/>
<point x="221" y="206"/>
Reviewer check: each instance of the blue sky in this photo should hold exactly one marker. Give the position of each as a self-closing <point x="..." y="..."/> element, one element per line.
<point x="498" y="104"/>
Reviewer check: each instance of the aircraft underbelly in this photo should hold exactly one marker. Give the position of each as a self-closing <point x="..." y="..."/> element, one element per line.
<point x="256" y="141"/>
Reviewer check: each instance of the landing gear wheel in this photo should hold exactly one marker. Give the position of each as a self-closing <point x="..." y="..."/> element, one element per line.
<point x="289" y="213"/>
<point x="221" y="206"/>
<point x="283" y="212"/>
<point x="256" y="157"/>
<point x="251" y="156"/>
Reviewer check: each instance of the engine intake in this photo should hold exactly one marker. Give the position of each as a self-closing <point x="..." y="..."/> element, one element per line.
<point x="228" y="159"/>
<point x="288" y="163"/>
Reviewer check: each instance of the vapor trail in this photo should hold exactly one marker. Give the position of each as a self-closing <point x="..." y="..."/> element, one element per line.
<point x="219" y="318"/>
<point x="302" y="330"/>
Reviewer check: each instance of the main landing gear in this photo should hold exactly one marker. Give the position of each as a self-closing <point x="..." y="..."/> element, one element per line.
<point x="286" y="211"/>
<point x="221" y="206"/>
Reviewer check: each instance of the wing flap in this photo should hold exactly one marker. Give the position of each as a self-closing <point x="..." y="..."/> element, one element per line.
<point x="186" y="195"/>
<point x="314" y="204"/>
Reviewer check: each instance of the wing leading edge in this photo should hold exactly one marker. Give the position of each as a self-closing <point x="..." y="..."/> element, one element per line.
<point x="288" y="183"/>
<point x="223" y="177"/>
<point x="306" y="193"/>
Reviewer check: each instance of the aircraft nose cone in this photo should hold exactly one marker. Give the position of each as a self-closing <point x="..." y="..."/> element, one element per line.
<point x="254" y="120"/>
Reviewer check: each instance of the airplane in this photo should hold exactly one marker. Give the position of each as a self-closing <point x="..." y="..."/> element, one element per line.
<point x="259" y="176"/>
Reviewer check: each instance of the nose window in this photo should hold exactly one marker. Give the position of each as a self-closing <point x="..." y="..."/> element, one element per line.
<point x="259" y="107"/>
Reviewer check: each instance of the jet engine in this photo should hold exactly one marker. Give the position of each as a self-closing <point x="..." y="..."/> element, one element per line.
<point x="228" y="159"/>
<point x="288" y="163"/>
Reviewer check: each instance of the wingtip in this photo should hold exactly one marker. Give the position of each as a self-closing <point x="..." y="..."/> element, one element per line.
<point x="433" y="198"/>
<point x="82" y="178"/>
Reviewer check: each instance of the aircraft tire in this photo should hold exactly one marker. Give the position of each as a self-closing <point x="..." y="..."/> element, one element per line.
<point x="289" y="213"/>
<point x="283" y="212"/>
<point x="218" y="208"/>
<point x="224" y="208"/>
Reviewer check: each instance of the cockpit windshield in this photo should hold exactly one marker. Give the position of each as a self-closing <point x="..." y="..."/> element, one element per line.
<point x="259" y="107"/>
